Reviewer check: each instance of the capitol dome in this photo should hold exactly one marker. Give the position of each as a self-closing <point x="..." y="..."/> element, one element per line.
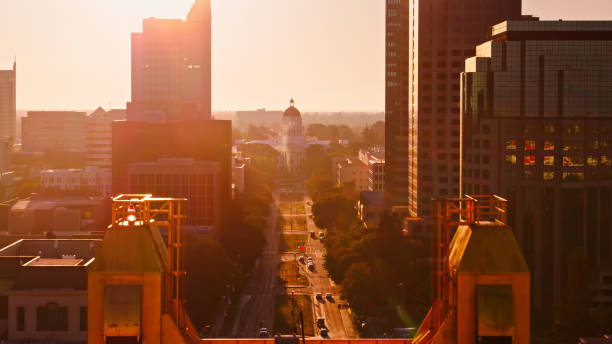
<point x="291" y="111"/>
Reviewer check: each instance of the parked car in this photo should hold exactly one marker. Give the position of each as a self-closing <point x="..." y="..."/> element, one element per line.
<point x="321" y="322"/>
<point x="263" y="332"/>
<point x="301" y="259"/>
<point x="324" y="332"/>
<point x="319" y="296"/>
<point x="329" y="296"/>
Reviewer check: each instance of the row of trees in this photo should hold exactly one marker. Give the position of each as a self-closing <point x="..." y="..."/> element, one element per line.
<point x="371" y="135"/>
<point x="219" y="265"/>
<point x="383" y="274"/>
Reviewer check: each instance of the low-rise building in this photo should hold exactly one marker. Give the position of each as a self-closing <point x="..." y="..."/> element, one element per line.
<point x="99" y="136"/>
<point x="198" y="181"/>
<point x="370" y="206"/>
<point x="90" y="180"/>
<point x="40" y="215"/>
<point x="43" y="288"/>
<point x="375" y="160"/>
<point x="238" y="169"/>
<point x="351" y="173"/>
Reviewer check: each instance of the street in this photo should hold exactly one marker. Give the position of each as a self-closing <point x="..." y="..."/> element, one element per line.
<point x="256" y="307"/>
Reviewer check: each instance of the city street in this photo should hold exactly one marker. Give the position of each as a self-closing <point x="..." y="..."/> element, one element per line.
<point x="257" y="302"/>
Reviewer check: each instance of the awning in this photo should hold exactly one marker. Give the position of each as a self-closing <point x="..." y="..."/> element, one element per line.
<point x="495" y="310"/>
<point x="122" y="309"/>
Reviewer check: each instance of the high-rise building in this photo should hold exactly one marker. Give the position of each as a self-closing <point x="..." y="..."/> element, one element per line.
<point x="426" y="44"/>
<point x="171" y="66"/>
<point x="99" y="133"/>
<point x="43" y="131"/>
<point x="8" y="103"/>
<point x="537" y="130"/>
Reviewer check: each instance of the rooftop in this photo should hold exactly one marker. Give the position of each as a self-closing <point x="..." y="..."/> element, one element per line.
<point x="537" y="29"/>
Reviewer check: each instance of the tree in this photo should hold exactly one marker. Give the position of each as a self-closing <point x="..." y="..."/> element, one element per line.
<point x="209" y="271"/>
<point x="334" y="211"/>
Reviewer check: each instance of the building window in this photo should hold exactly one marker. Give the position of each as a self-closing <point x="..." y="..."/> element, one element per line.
<point x="511" y="159"/>
<point x="573" y="130"/>
<point x="529" y="160"/>
<point x="530" y="145"/>
<point x="549" y="129"/>
<point x="592" y="160"/>
<point x="20" y="319"/>
<point x="52" y="317"/>
<point x="510" y="144"/>
<point x="549" y="175"/>
<point x="549" y="160"/>
<point x="83" y="318"/>
<point x="573" y="161"/>
<point x="605" y="160"/>
<point x="549" y="146"/>
<point x="573" y="176"/>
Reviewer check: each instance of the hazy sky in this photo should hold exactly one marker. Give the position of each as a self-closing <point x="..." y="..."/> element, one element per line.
<point x="328" y="54"/>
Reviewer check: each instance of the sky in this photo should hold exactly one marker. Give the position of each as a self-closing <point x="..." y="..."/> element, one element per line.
<point x="327" y="54"/>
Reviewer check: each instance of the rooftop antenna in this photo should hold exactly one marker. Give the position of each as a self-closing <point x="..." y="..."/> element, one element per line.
<point x="291" y="102"/>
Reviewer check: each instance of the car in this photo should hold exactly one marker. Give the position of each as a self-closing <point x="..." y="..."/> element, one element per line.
<point x="311" y="266"/>
<point x="312" y="235"/>
<point x="321" y="322"/>
<point x="319" y="296"/>
<point x="263" y="332"/>
<point x="322" y="237"/>
<point x="324" y="332"/>
<point x="329" y="296"/>
<point x="301" y="259"/>
<point x="321" y="234"/>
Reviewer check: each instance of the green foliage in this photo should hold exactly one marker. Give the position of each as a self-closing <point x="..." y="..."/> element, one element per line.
<point x="255" y="132"/>
<point x="317" y="161"/>
<point x="331" y="132"/>
<point x="374" y="135"/>
<point x="380" y="273"/>
<point x="210" y="271"/>
<point x="334" y="211"/>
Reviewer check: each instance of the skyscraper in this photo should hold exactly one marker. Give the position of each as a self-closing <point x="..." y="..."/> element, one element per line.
<point x="8" y="103"/>
<point x="171" y="66"/>
<point x="426" y="44"/>
<point x="537" y="130"/>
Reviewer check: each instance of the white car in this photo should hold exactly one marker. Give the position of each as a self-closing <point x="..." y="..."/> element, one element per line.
<point x="263" y="332"/>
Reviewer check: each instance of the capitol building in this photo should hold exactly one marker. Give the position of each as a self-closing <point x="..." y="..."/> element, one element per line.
<point x="292" y="142"/>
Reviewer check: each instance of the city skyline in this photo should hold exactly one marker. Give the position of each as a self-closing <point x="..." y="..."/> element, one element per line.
<point x="98" y="53"/>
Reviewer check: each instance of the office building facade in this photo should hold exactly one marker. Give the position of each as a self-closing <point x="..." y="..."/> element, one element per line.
<point x="197" y="181"/>
<point x="8" y="104"/>
<point x="43" y="131"/>
<point x="98" y="127"/>
<point x="426" y="44"/>
<point x="537" y="129"/>
<point x="171" y="66"/>
<point x="201" y="141"/>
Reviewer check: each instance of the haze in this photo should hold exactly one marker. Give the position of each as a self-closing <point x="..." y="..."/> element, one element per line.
<point x="264" y="51"/>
